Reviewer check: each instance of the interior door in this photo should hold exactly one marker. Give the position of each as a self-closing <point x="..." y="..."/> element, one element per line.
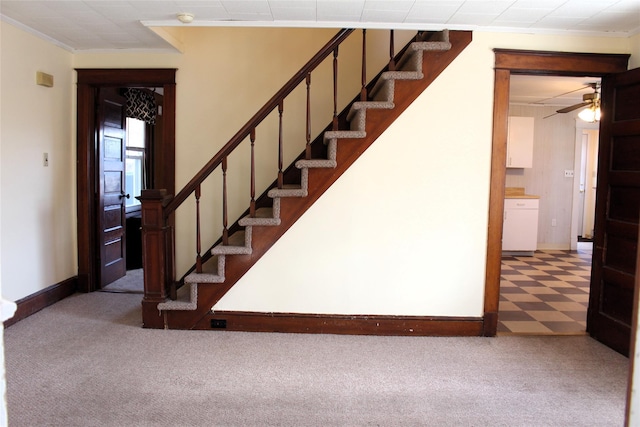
<point x="111" y="185"/>
<point x="617" y="211"/>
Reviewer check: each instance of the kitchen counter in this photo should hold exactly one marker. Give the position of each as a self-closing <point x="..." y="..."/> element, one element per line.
<point x="520" y="222"/>
<point x="518" y="193"/>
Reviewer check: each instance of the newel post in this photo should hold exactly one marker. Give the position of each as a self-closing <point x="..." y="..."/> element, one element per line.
<point x="155" y="236"/>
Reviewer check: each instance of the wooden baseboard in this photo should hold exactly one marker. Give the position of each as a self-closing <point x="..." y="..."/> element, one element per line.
<point x="343" y="324"/>
<point x="44" y="298"/>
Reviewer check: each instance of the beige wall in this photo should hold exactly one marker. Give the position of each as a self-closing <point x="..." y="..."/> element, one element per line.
<point x="395" y="254"/>
<point x="37" y="203"/>
<point x="634" y="61"/>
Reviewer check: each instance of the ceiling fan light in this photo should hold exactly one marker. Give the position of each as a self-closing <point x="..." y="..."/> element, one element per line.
<point x="589" y="114"/>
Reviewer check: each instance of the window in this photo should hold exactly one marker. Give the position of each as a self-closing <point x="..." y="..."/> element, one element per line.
<point x="135" y="180"/>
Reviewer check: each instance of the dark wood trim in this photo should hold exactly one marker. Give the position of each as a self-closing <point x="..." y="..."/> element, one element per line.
<point x="344" y="324"/>
<point x="633" y="341"/>
<point x="88" y="82"/>
<point x="490" y="324"/>
<point x="126" y="77"/>
<point x="496" y="197"/>
<point x="35" y="302"/>
<point x="154" y="256"/>
<point x="525" y="62"/>
<point x="559" y="63"/>
<point x="85" y="185"/>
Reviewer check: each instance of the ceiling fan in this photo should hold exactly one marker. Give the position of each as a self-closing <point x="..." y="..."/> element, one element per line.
<point x="589" y="100"/>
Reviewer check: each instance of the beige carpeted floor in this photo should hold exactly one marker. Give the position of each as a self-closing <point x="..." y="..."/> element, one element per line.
<point x="85" y="361"/>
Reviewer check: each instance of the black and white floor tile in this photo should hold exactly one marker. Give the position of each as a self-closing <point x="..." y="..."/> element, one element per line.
<point x="547" y="293"/>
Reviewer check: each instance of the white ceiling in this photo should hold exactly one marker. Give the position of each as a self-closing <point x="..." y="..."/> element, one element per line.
<point x="115" y="25"/>
<point x="554" y="91"/>
<point x="81" y="25"/>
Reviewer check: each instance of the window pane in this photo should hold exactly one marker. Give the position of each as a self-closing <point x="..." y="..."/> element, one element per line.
<point x="134" y="176"/>
<point x="135" y="133"/>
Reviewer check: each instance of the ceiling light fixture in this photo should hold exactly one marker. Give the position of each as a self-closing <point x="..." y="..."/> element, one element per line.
<point x="185" y="18"/>
<point x="591" y="114"/>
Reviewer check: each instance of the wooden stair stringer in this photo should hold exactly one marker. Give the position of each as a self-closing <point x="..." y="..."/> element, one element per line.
<point x="319" y="180"/>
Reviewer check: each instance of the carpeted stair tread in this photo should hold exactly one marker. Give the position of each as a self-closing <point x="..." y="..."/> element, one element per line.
<point x="204" y="277"/>
<point x="212" y="271"/>
<point x="288" y="190"/>
<point x="239" y="244"/>
<point x="412" y="58"/>
<point x="400" y="75"/>
<point x="316" y="163"/>
<point x="344" y="134"/>
<point x="187" y="299"/>
<point x="332" y="149"/>
<point x="263" y="216"/>
<point x="383" y="90"/>
<point x="430" y="45"/>
<point x="363" y="106"/>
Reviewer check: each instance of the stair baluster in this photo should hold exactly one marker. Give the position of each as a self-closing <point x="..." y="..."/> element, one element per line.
<point x="308" y="130"/>
<point x="198" y="238"/>
<point x="335" y="88"/>
<point x="225" y="219"/>
<point x="280" y="148"/>
<point x="252" y="206"/>
<point x="392" y="61"/>
<point x="363" y="91"/>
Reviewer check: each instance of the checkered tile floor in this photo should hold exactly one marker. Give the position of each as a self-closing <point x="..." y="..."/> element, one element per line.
<point x="547" y="293"/>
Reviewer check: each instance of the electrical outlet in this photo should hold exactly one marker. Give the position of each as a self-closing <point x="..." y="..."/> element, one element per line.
<point x="554" y="222"/>
<point x="45" y="159"/>
<point x="568" y="174"/>
<point x="218" y="323"/>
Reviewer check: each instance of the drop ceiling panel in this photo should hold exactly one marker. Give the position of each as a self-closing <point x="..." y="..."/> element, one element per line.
<point x="434" y="12"/>
<point x="67" y="21"/>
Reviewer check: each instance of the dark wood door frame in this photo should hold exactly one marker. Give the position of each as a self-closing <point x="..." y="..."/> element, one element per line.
<point x="531" y="63"/>
<point x="88" y="83"/>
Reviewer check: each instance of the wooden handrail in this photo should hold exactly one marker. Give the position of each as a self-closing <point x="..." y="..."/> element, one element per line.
<point x="245" y="131"/>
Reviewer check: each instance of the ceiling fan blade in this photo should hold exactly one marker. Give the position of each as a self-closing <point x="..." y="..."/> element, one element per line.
<point x="591" y="85"/>
<point x="574" y="107"/>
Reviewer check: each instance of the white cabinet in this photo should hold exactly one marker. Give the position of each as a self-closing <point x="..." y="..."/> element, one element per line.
<point x="520" y="142"/>
<point x="520" y="227"/>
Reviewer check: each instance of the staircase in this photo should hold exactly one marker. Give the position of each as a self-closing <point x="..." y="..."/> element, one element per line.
<point x="364" y="120"/>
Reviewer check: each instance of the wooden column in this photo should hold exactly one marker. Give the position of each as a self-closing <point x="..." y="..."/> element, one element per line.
<point x="496" y="202"/>
<point x="155" y="236"/>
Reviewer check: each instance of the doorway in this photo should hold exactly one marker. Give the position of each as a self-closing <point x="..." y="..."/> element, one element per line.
<point x="544" y="285"/>
<point x="89" y="83"/>
<point x="586" y="167"/>
<point x="523" y="62"/>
